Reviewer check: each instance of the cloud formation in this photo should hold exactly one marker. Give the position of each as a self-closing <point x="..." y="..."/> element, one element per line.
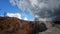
<point x="48" y="10"/>
<point x="17" y="15"/>
<point x="13" y="2"/>
<point x="25" y="18"/>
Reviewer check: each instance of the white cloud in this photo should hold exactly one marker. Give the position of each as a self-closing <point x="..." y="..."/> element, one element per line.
<point x="17" y="15"/>
<point x="33" y="2"/>
<point x="12" y="2"/>
<point x="25" y="18"/>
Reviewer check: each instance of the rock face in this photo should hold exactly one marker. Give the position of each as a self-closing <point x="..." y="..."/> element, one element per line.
<point x="12" y="25"/>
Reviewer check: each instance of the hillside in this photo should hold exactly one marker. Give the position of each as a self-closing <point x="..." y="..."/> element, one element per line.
<point x="12" y="25"/>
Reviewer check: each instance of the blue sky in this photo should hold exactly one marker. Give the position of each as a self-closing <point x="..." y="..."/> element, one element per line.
<point x="6" y="6"/>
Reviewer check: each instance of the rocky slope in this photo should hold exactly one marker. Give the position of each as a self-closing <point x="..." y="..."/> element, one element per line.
<point x="12" y="25"/>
